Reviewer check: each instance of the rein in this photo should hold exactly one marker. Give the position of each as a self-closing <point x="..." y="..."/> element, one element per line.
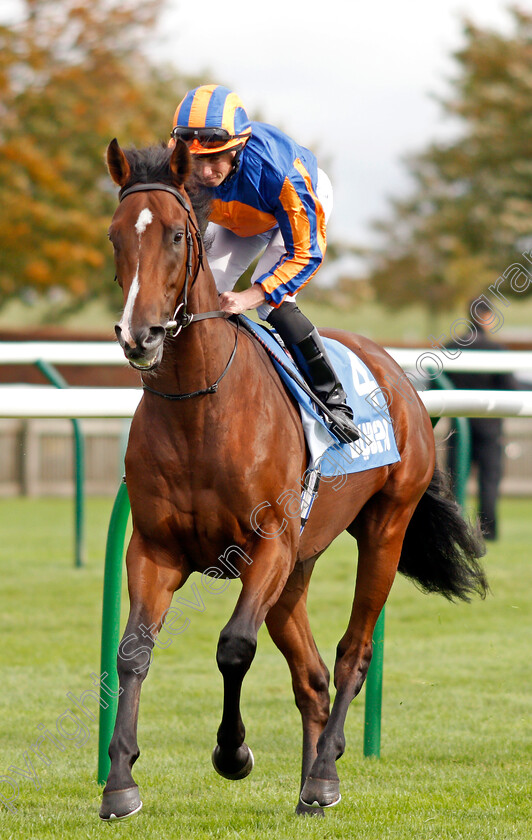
<point x="211" y="389"/>
<point x="181" y="318"/>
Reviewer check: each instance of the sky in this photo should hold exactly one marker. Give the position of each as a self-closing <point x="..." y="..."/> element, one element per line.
<point x="354" y="81"/>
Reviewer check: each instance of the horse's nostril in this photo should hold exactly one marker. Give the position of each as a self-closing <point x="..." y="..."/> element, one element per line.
<point x="155" y="335"/>
<point x="142" y="343"/>
<point x="148" y="338"/>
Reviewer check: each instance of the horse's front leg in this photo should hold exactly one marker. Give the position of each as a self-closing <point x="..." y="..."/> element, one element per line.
<point x="151" y="583"/>
<point x="262" y="583"/>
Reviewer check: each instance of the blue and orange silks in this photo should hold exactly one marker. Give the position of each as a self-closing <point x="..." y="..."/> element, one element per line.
<point x="275" y="186"/>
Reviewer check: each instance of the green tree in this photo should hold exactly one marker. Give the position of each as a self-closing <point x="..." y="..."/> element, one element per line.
<point x="73" y="75"/>
<point x="469" y="214"/>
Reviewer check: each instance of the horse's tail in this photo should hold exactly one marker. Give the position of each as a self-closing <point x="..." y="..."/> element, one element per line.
<point x="440" y="549"/>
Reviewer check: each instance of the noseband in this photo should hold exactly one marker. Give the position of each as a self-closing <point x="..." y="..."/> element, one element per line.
<point x="181" y="318"/>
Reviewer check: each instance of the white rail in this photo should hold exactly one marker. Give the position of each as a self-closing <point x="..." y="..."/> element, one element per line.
<point x="462" y="403"/>
<point x="109" y="353"/>
<point x="62" y="352"/>
<point x="45" y="402"/>
<point x="478" y="361"/>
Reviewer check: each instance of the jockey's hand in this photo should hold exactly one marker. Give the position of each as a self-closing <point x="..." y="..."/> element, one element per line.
<point x="238" y="302"/>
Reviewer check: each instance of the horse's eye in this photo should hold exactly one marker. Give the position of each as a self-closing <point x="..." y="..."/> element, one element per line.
<point x="178" y="236"/>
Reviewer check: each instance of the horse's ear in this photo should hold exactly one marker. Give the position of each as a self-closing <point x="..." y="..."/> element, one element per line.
<point x="180" y="163"/>
<point x="117" y="164"/>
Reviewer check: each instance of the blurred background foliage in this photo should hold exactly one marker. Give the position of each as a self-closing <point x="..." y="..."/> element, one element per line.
<point x="74" y="75"/>
<point x="469" y="214"/>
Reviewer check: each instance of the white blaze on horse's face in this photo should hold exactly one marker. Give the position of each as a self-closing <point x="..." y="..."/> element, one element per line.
<point x="145" y="218"/>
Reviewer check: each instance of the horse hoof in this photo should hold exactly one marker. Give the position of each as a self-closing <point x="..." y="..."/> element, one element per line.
<point x="320" y="793"/>
<point x="303" y="810"/>
<point x="120" y="804"/>
<point x="238" y="768"/>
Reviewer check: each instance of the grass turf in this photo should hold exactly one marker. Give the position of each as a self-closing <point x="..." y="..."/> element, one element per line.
<point x="456" y="745"/>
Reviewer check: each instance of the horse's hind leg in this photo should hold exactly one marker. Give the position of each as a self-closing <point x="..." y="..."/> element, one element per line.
<point x="151" y="586"/>
<point x="289" y="628"/>
<point x="379" y="530"/>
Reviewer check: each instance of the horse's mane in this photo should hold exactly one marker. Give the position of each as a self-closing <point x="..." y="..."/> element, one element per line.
<point x="152" y="164"/>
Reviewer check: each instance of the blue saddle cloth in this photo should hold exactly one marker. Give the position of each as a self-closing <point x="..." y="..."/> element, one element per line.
<point x="376" y="447"/>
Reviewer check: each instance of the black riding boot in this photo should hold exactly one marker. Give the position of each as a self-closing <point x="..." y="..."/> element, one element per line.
<point x="316" y="367"/>
<point x="305" y="344"/>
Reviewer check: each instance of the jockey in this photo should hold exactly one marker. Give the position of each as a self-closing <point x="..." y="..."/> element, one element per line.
<point x="269" y="196"/>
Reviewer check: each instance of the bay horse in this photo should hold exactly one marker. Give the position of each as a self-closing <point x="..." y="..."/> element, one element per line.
<point x="215" y="435"/>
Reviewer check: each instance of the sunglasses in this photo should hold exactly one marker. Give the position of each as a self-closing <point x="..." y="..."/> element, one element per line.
<point x="209" y="138"/>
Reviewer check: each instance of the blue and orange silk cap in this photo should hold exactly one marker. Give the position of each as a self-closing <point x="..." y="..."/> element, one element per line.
<point x="211" y="107"/>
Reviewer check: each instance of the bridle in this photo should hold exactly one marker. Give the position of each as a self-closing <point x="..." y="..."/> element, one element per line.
<point x="181" y="317"/>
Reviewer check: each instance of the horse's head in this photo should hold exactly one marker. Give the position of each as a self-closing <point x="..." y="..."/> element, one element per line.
<point x="152" y="235"/>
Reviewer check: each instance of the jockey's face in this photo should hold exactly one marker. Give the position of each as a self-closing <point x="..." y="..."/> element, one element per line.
<point x="212" y="170"/>
<point x="487" y="320"/>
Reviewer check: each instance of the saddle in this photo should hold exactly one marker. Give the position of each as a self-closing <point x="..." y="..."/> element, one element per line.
<point x="328" y="454"/>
